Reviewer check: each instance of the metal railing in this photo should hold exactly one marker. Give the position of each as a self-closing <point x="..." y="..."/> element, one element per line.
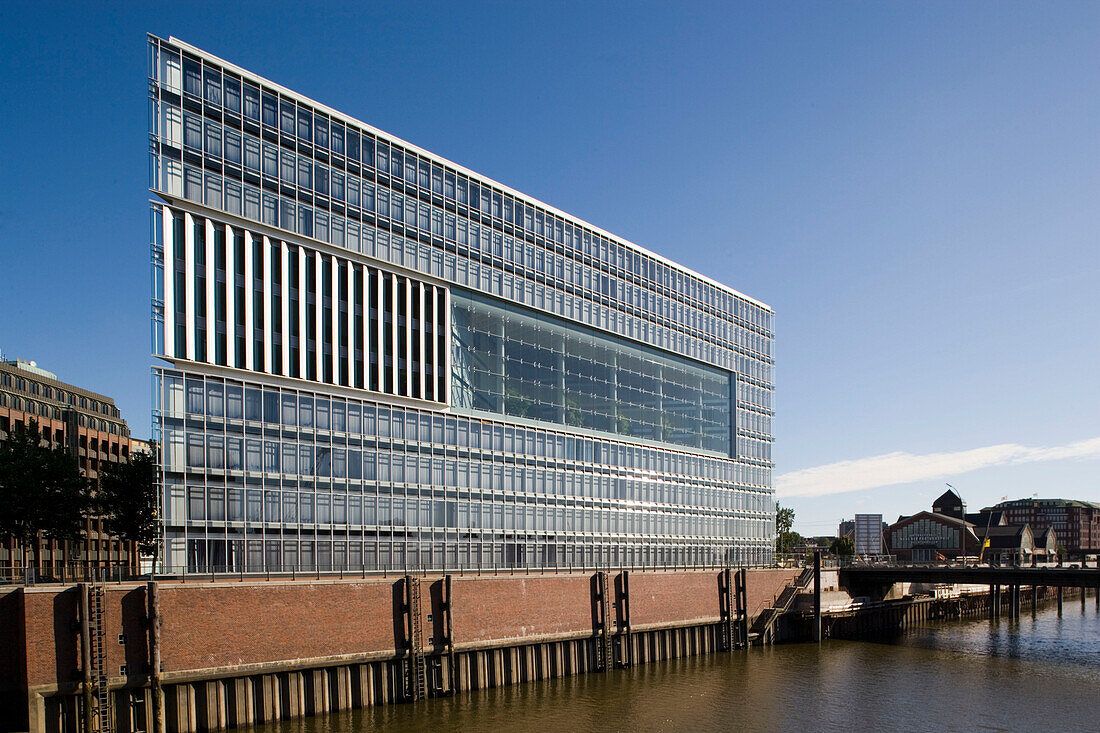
<point x="435" y="568"/>
<point x="65" y="574"/>
<point x="123" y="573"/>
<point x="855" y="561"/>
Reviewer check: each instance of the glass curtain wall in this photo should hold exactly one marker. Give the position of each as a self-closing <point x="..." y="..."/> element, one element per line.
<point x="259" y="478"/>
<point x="511" y="361"/>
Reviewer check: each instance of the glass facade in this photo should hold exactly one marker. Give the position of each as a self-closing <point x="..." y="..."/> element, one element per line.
<point x="621" y="403"/>
<point x="513" y="362"/>
<point x="281" y="478"/>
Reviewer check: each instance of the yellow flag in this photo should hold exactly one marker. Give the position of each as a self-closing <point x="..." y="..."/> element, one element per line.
<point x="985" y="544"/>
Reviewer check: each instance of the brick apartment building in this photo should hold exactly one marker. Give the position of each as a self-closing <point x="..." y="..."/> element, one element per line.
<point x="90" y="428"/>
<point x="1076" y="523"/>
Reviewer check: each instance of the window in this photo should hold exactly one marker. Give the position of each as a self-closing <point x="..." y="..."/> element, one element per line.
<point x="232" y="89"/>
<point x="212" y="141"/>
<point x="192" y="131"/>
<point x="271" y="160"/>
<point x="270" y="110"/>
<point x="286" y="116"/>
<point x="252" y="154"/>
<point x="336" y="138"/>
<point x="305" y="124"/>
<point x="192" y="77"/>
<point x="212" y="86"/>
<point x="232" y="146"/>
<point x="251" y="102"/>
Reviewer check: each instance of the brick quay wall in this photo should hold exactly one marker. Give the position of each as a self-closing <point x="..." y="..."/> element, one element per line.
<point x="243" y="651"/>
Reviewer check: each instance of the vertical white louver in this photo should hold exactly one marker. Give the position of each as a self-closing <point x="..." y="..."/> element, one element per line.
<point x="442" y="369"/>
<point x="189" y="285"/>
<point x="230" y="298"/>
<point x="435" y="348"/>
<point x="409" y="342"/>
<point x="211" y="289"/>
<point x="378" y="281"/>
<point x="302" y="350"/>
<point x="249" y="321"/>
<point x="348" y="378"/>
<point x="333" y="376"/>
<point x="392" y="306"/>
<point x="169" y="283"/>
<point x="367" y="345"/>
<point x="284" y="268"/>
<point x="408" y="288"/>
<point x="420" y="291"/>
<point x="267" y="290"/>
<point x="318" y="318"/>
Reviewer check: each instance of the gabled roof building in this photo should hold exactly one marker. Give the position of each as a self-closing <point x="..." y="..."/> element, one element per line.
<point x="930" y="536"/>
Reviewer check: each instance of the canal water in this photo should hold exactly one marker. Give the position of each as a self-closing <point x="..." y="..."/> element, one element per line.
<point x="1039" y="672"/>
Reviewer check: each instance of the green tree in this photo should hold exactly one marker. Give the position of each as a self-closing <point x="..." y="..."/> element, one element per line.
<point x="842" y="546"/>
<point x="127" y="501"/>
<point x="42" y="490"/>
<point x="786" y="539"/>
<point x="784" y="519"/>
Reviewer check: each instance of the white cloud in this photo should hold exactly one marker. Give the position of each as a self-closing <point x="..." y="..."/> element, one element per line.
<point x="891" y="469"/>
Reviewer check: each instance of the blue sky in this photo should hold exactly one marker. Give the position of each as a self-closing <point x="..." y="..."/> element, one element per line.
<point x="913" y="187"/>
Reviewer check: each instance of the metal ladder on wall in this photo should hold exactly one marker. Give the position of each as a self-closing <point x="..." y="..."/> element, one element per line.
<point x="418" y="671"/>
<point x="97" y="623"/>
<point x="605" y="643"/>
<point x="605" y="615"/>
<point x="726" y="605"/>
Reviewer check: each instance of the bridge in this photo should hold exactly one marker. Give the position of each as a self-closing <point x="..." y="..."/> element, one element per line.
<point x="875" y="581"/>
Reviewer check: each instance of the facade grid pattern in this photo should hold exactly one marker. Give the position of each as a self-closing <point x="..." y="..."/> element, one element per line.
<point x="307" y="256"/>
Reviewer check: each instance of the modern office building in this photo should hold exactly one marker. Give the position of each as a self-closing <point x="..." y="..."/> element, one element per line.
<point x="374" y="357"/>
<point x="868" y="534"/>
<point x="89" y="427"/>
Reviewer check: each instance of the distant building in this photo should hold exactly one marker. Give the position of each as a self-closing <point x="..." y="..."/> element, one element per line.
<point x="1076" y="522"/>
<point x="1046" y="542"/>
<point x="141" y="446"/>
<point x="847" y="528"/>
<point x="810" y="545"/>
<point x="1015" y="532"/>
<point x="89" y="427"/>
<point x="1009" y="544"/>
<point x="950" y="504"/>
<point x="987" y="518"/>
<point x="868" y="534"/>
<point x="930" y="536"/>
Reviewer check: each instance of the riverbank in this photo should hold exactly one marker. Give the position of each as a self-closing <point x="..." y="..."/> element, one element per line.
<point x="183" y="657"/>
<point x="1006" y="674"/>
<point x="859" y="620"/>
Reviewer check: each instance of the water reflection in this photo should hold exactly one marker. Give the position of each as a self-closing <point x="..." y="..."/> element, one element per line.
<point x="1033" y="672"/>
